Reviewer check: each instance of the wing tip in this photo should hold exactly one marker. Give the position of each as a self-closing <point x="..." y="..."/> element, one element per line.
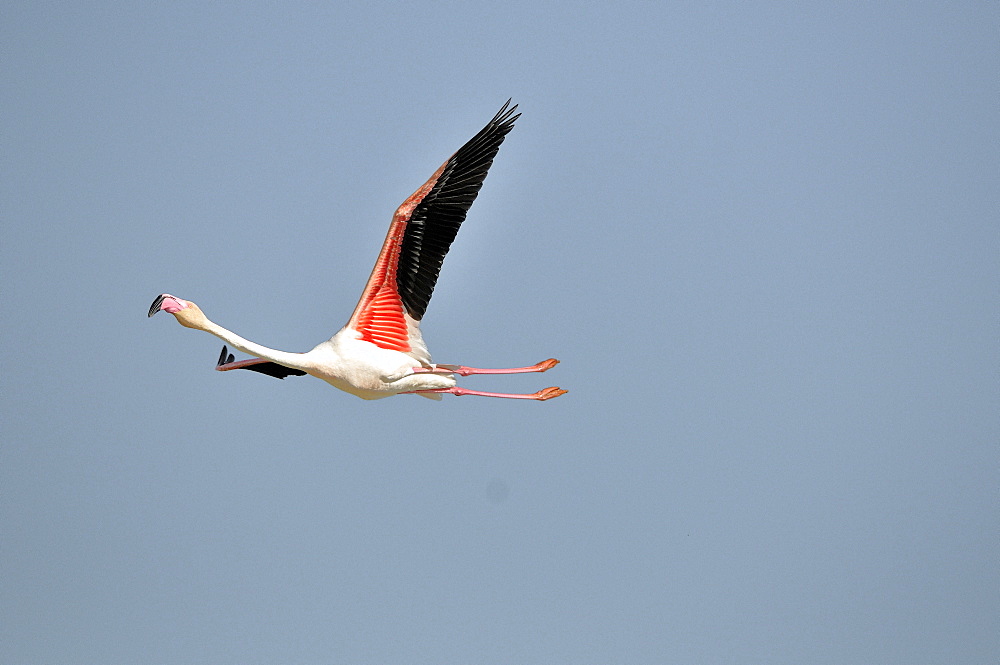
<point x="224" y="358"/>
<point x="505" y="113"/>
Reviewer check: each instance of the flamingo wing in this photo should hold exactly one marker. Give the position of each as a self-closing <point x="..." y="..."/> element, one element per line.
<point x="422" y="230"/>
<point x="227" y="361"/>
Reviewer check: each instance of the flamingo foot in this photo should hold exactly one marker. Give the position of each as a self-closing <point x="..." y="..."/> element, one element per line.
<point x="541" y="395"/>
<point x="462" y="370"/>
<point x="549" y="393"/>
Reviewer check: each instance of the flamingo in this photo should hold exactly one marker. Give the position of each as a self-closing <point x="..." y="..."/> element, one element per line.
<point x="380" y="352"/>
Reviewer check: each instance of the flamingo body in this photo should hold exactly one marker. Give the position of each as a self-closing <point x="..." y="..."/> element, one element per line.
<point x="362" y="368"/>
<point x="380" y="352"/>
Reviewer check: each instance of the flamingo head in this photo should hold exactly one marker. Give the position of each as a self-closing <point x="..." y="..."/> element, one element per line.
<point x="186" y="312"/>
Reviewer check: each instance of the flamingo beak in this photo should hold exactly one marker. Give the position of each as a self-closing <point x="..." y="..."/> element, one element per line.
<point x="167" y="303"/>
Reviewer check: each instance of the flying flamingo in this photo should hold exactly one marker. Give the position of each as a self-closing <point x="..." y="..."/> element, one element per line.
<point x="380" y="351"/>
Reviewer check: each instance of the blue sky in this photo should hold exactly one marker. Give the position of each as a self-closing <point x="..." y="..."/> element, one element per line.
<point x="762" y="239"/>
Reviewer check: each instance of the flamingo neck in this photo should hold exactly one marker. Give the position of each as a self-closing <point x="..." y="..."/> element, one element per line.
<point x="293" y="360"/>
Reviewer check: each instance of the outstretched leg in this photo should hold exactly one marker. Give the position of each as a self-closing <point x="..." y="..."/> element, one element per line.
<point x="462" y="370"/>
<point x="541" y="395"/>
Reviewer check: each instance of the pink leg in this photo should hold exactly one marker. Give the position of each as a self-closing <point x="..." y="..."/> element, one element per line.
<point x="462" y="370"/>
<point x="541" y="395"/>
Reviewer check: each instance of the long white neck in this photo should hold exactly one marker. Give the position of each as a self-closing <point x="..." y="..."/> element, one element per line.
<point x="293" y="360"/>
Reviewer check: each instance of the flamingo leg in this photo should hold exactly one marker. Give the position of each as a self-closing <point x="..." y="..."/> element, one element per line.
<point x="462" y="370"/>
<point x="541" y="395"/>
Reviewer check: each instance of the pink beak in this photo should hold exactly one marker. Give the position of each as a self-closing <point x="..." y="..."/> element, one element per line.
<point x="167" y="303"/>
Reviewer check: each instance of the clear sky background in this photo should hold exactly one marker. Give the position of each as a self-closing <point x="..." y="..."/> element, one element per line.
<point x="762" y="238"/>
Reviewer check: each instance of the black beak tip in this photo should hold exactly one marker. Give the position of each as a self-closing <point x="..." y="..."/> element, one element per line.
<point x="155" y="307"/>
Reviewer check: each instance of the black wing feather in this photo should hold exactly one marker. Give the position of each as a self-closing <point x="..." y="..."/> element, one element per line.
<point x="274" y="369"/>
<point x="264" y="366"/>
<point x="434" y="222"/>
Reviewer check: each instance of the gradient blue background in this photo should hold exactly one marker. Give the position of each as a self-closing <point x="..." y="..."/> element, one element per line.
<point x="762" y="238"/>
